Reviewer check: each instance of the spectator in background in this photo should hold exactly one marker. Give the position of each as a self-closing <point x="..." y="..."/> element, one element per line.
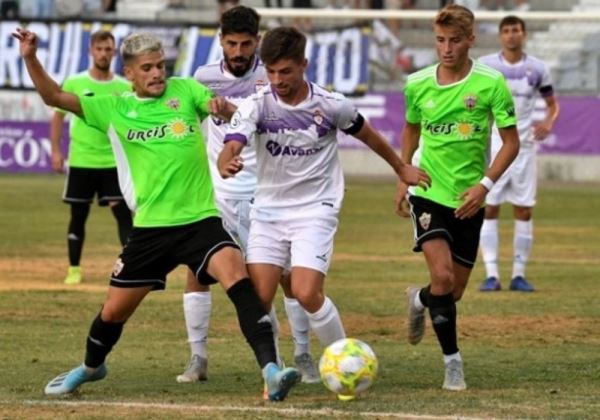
<point x="303" y="24"/>
<point x="519" y="5"/>
<point x="109" y="5"/>
<point x="9" y="9"/>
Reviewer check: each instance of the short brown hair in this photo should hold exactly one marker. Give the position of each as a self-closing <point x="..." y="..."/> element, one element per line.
<point x="456" y="16"/>
<point x="282" y="43"/>
<point x="512" y="20"/>
<point x="101" y="35"/>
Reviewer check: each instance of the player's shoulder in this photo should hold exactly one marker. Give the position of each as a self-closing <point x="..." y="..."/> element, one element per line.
<point x="322" y="93"/>
<point x="423" y="74"/>
<point x="534" y="61"/>
<point x="208" y="72"/>
<point x="81" y="76"/>
<point x="486" y="71"/>
<point x="489" y="59"/>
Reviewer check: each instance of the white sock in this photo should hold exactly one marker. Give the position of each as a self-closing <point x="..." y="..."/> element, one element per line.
<point x="488" y="241"/>
<point x="418" y="304"/>
<point x="449" y="357"/>
<point x="522" y="246"/>
<point x="196" y="309"/>
<point x="299" y="325"/>
<point x="326" y="323"/>
<point x="275" y="328"/>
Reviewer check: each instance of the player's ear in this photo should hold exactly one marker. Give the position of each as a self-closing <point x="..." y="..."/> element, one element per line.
<point x="128" y="72"/>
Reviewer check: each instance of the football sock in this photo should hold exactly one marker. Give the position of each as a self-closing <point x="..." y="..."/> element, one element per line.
<point x="76" y="232"/>
<point x="124" y="220"/>
<point x="299" y="325"/>
<point x="522" y="246"/>
<point x="275" y="328"/>
<point x="450" y="357"/>
<point x="254" y="321"/>
<point x="422" y="298"/>
<point x="489" y="246"/>
<point x="442" y="311"/>
<point x="100" y="341"/>
<point x="196" y="309"/>
<point x="326" y="323"/>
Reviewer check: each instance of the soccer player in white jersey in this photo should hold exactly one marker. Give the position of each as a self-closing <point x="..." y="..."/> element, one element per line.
<point x="300" y="184"/>
<point x="163" y="173"/>
<point x="236" y="77"/>
<point x="527" y="78"/>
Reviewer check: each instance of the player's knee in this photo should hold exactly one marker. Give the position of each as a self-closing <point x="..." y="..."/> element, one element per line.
<point x="193" y="285"/>
<point x="113" y="314"/>
<point x="442" y="278"/>
<point x="310" y="300"/>
<point x="523" y="213"/>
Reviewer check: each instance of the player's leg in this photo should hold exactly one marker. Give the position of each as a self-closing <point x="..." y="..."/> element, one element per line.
<point x="109" y="193"/>
<point x="79" y="192"/>
<point x="124" y="219"/>
<point x="300" y="328"/>
<point x="523" y="197"/>
<point x="219" y="258"/>
<point x="197" y="305"/>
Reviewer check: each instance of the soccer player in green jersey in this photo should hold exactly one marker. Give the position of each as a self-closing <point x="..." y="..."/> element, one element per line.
<point x="449" y="112"/>
<point x="92" y="167"/>
<point x="164" y="175"/>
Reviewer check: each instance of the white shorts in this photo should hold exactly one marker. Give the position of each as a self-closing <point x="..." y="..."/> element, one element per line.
<point x="518" y="184"/>
<point x="236" y="219"/>
<point x="293" y="242"/>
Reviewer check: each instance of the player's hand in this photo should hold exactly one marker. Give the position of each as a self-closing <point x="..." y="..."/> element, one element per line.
<point x="232" y="167"/>
<point x="411" y="175"/>
<point x="402" y="207"/>
<point x="58" y="162"/>
<point x="27" y="42"/>
<point x="473" y="199"/>
<point x="221" y="108"/>
<point x="541" y="131"/>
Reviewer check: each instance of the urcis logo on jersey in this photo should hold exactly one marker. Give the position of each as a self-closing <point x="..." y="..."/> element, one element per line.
<point x="470" y="101"/>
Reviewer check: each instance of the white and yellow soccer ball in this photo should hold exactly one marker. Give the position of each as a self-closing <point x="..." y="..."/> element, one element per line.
<point x="348" y="367"/>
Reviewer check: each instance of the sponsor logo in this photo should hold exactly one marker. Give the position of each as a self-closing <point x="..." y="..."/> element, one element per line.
<point x="463" y="130"/>
<point x="470" y="102"/>
<point x="321" y="257"/>
<point x="174" y="104"/>
<point x="118" y="267"/>
<point x="176" y="128"/>
<point x="277" y="149"/>
<point x="425" y="220"/>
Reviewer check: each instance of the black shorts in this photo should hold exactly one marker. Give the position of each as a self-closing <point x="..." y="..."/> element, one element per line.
<point x="82" y="184"/>
<point x="432" y="220"/>
<point x="151" y="253"/>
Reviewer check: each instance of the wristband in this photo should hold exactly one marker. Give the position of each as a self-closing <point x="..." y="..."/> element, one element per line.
<point x="487" y="183"/>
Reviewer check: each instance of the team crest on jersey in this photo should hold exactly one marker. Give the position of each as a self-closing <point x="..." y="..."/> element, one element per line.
<point x="470" y="101"/>
<point x="118" y="267"/>
<point x="259" y="84"/>
<point x="318" y="117"/>
<point x="174" y="104"/>
<point x="425" y="220"/>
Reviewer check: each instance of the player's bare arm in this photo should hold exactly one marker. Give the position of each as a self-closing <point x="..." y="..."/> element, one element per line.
<point x="56" y="129"/>
<point x="230" y="162"/>
<point x="542" y="129"/>
<point x="49" y="90"/>
<point x="410" y="141"/>
<point x="474" y="197"/>
<point x="221" y="108"/>
<point x="406" y="173"/>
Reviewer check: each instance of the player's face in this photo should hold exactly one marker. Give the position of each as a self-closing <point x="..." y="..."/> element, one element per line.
<point x="286" y="77"/>
<point x="452" y="46"/>
<point x="147" y="74"/>
<point x="238" y="52"/>
<point x="512" y="37"/>
<point x="102" y="54"/>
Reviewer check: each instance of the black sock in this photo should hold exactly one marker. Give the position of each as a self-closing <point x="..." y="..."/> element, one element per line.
<point x="251" y="316"/>
<point x="442" y="311"/>
<point x="124" y="220"/>
<point x="424" y="294"/>
<point x="101" y="339"/>
<point x="76" y="233"/>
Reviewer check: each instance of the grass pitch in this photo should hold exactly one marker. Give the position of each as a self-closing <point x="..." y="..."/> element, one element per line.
<point x="526" y="355"/>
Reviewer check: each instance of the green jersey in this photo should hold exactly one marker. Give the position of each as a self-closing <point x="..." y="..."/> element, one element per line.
<point x="456" y="120"/>
<point x="161" y="157"/>
<point x="89" y="147"/>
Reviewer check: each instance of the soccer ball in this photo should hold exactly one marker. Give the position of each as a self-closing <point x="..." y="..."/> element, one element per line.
<point x="348" y="367"/>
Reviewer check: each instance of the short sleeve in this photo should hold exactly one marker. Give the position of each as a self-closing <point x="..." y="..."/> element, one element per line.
<point x="97" y="110"/>
<point x="66" y="87"/>
<point x="244" y="121"/>
<point x="348" y="114"/>
<point x="413" y="113"/>
<point x="503" y="107"/>
<point x="545" y="87"/>
<point x="201" y="96"/>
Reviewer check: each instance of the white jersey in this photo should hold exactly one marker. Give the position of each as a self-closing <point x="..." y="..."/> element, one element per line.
<point x="298" y="169"/>
<point x="526" y="79"/>
<point x="235" y="89"/>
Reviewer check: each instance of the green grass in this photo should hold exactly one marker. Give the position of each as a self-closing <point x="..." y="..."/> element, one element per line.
<point x="526" y="355"/>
